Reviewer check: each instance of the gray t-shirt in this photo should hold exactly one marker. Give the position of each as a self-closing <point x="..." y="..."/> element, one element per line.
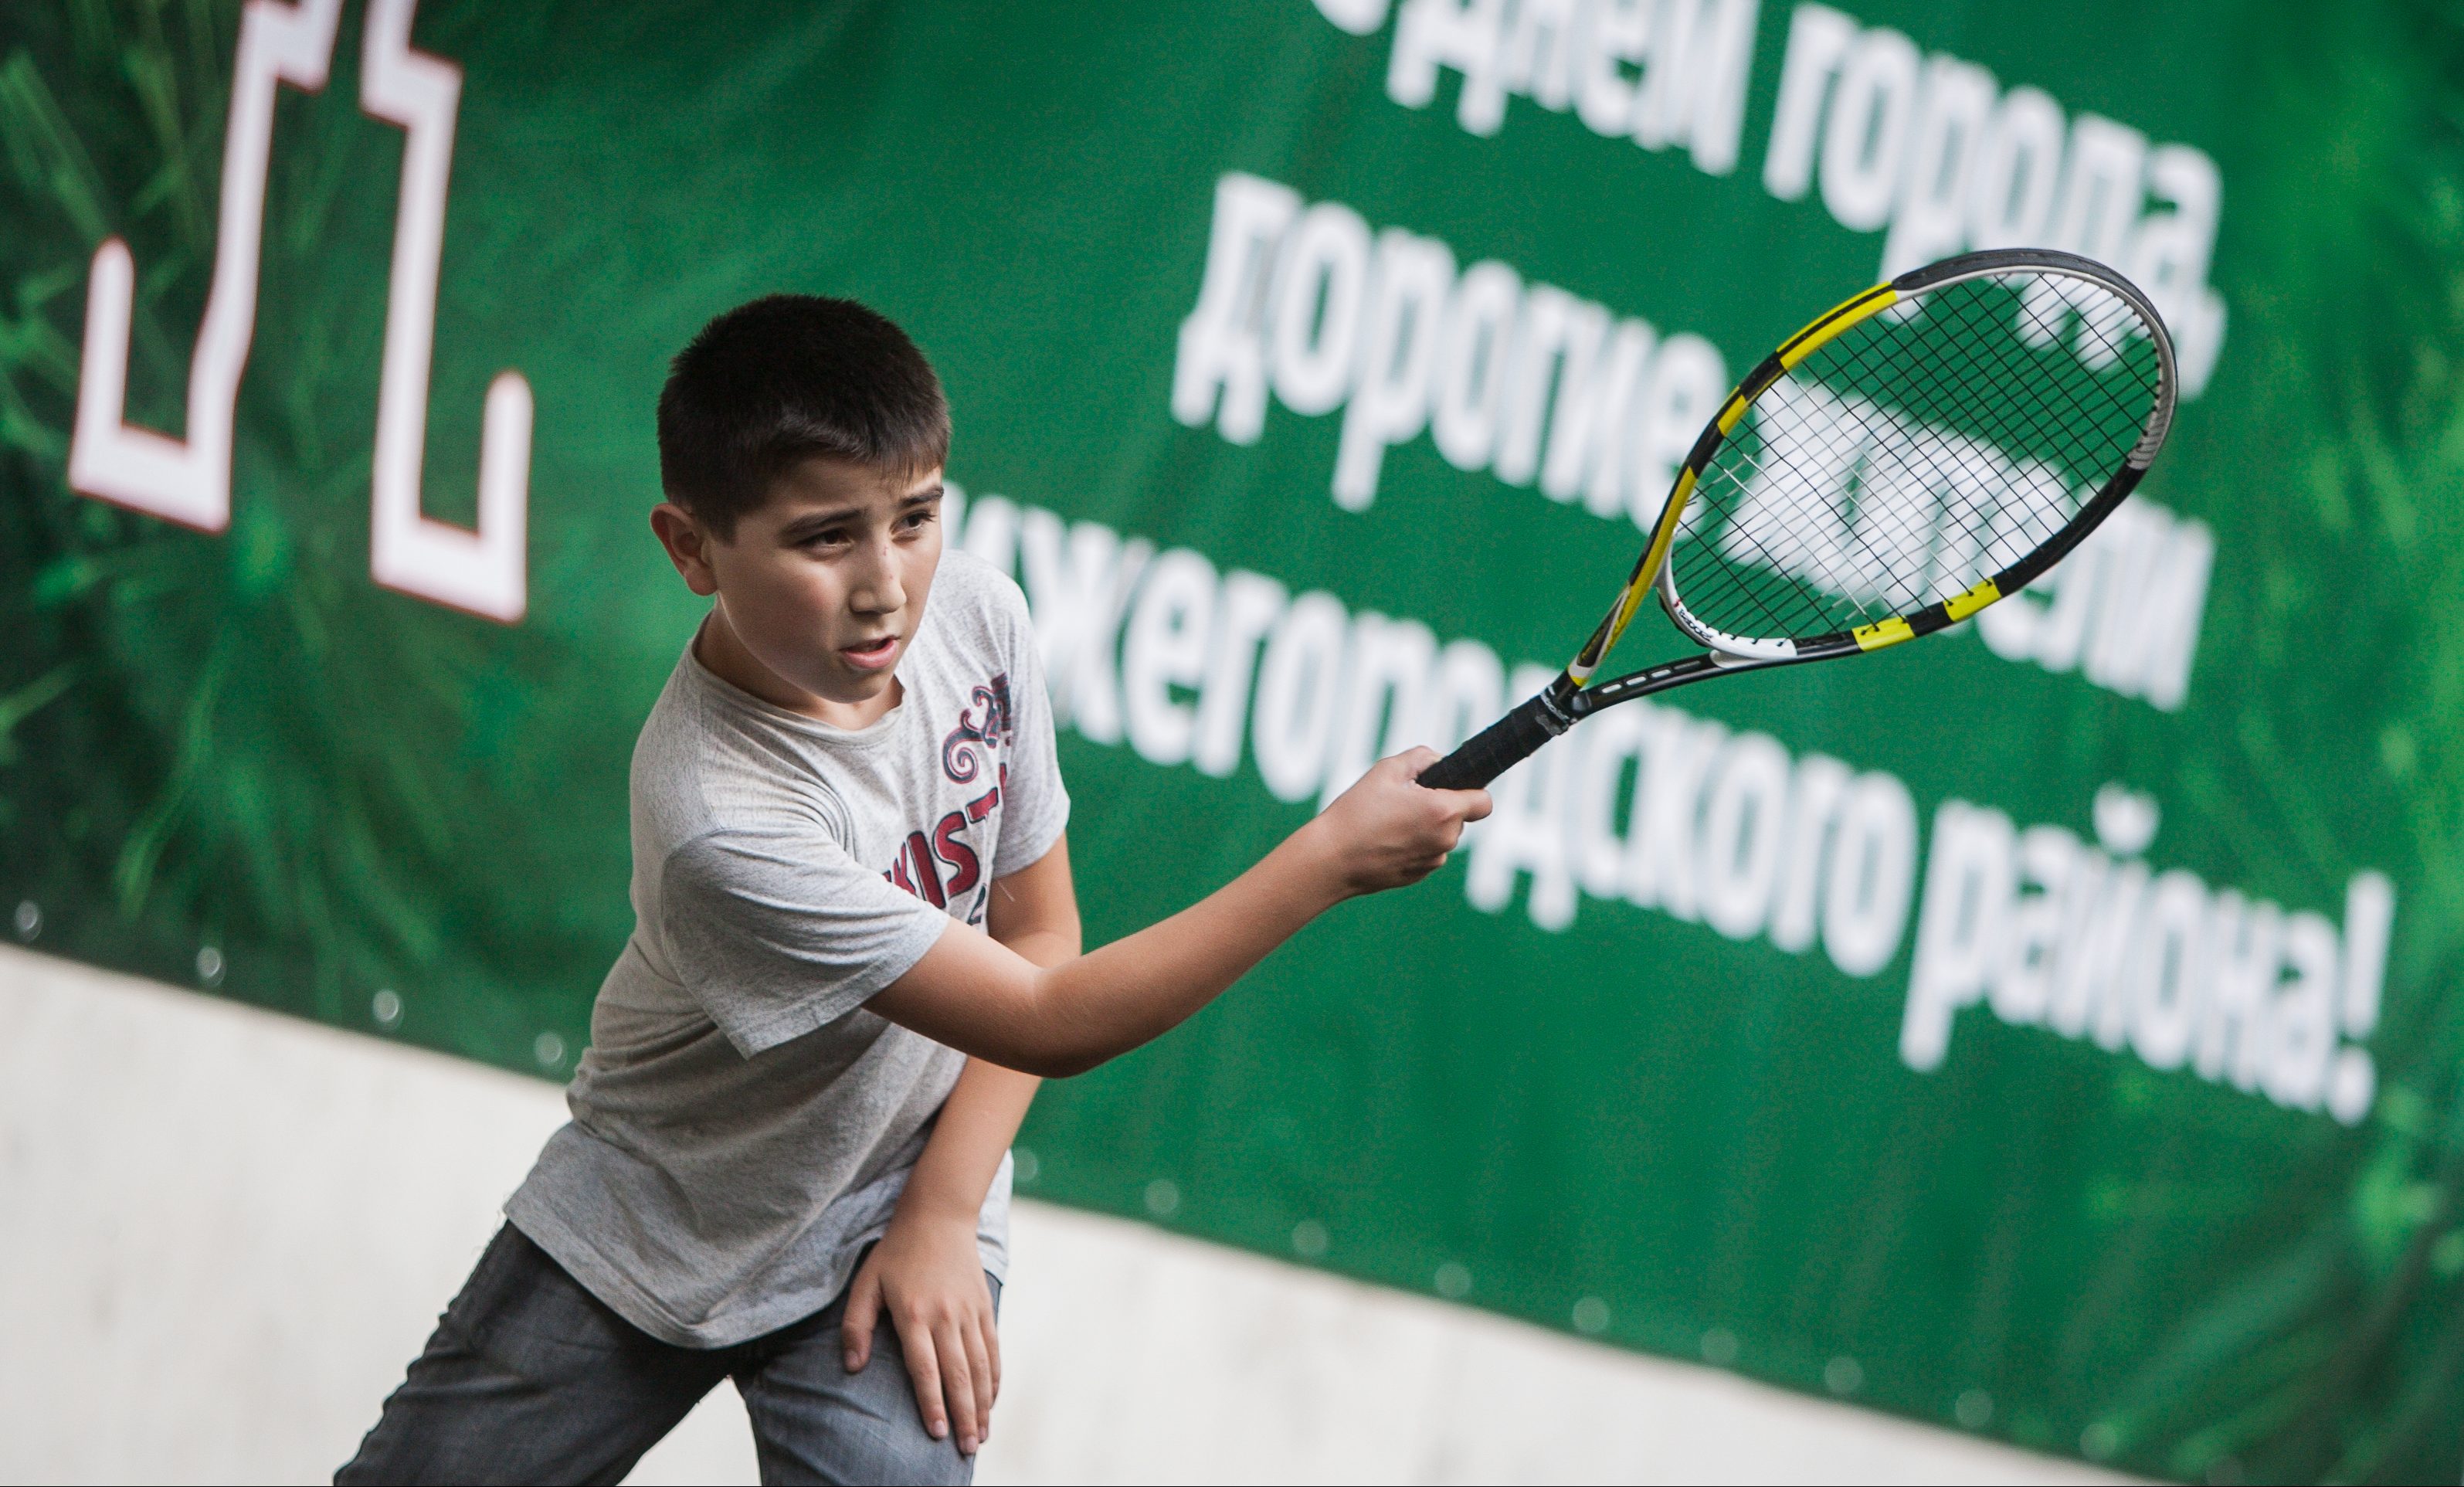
<point x="741" y="1125"/>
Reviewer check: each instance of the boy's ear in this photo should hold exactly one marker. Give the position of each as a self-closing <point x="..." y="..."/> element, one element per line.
<point x="688" y="543"/>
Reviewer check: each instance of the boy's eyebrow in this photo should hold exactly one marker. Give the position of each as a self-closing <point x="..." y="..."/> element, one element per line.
<point x="812" y="519"/>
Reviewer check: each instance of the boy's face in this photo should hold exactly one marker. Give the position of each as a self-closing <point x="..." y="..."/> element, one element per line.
<point x="824" y="584"/>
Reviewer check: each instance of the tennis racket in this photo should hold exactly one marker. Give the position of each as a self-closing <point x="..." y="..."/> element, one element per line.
<point x="1922" y="450"/>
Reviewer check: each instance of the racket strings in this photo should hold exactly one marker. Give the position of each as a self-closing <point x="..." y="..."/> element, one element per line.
<point x="1969" y="509"/>
<point x="1887" y="533"/>
<point x="1914" y="455"/>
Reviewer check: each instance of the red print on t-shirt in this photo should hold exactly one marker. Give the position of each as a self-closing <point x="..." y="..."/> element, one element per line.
<point x="941" y="865"/>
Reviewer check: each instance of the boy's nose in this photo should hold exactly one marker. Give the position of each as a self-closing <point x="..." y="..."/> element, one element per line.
<point x="878" y="590"/>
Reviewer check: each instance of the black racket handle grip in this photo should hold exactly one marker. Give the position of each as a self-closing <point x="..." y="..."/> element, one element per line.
<point x="1496" y="749"/>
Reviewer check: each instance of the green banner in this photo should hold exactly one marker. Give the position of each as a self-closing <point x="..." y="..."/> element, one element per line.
<point x="2046" y="1031"/>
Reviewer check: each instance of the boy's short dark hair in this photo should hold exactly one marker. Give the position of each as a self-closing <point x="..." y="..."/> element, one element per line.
<point x="787" y="378"/>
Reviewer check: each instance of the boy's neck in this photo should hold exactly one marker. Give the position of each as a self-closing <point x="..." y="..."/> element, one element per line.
<point x="723" y="653"/>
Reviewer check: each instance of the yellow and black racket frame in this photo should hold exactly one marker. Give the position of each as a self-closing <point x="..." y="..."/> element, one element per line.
<point x="1576" y="694"/>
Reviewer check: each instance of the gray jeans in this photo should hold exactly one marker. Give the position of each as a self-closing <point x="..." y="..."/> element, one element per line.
<point x="530" y="1378"/>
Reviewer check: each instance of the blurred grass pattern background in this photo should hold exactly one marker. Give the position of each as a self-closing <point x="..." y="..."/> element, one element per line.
<point x="237" y="743"/>
<point x="230" y="742"/>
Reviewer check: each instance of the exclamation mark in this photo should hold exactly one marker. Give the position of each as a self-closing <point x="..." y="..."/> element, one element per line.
<point x="2370" y="915"/>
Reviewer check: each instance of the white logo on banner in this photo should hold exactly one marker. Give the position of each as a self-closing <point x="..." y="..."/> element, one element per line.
<point x="189" y="481"/>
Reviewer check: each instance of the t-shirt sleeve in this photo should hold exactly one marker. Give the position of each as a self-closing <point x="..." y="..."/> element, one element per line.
<point x="778" y="935"/>
<point x="1037" y="809"/>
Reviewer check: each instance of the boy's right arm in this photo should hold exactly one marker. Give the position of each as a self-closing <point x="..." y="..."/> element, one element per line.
<point x="983" y="998"/>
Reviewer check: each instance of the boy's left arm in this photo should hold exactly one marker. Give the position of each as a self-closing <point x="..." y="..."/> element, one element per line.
<point x="925" y="1272"/>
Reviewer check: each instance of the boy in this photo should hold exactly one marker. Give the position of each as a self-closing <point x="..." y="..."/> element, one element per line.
<point x="855" y="926"/>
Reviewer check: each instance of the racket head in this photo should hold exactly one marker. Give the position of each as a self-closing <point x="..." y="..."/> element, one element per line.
<point x="1922" y="450"/>
<point x="1915" y="454"/>
<point x="1919" y="452"/>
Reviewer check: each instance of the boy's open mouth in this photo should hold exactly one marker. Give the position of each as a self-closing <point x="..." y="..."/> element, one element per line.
<point x="871" y="654"/>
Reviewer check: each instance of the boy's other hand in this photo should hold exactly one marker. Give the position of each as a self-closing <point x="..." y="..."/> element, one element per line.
<point x="926" y="1274"/>
<point x="1386" y="831"/>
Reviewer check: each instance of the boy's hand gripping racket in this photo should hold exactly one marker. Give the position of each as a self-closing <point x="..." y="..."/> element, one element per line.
<point x="1925" y="449"/>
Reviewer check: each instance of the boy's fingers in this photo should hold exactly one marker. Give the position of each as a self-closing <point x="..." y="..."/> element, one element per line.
<point x="924" y="1369"/>
<point x="863" y="1308"/>
<point x="992" y="1349"/>
<point x="979" y="1372"/>
<point x="957" y="1380"/>
<point x="1480" y="806"/>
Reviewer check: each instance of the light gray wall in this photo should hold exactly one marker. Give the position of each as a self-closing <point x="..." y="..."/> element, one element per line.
<point x="223" y="1234"/>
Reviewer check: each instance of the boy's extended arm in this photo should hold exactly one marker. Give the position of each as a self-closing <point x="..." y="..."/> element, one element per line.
<point x="925" y="1272"/>
<point x="1033" y="912"/>
<point x="986" y="999"/>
